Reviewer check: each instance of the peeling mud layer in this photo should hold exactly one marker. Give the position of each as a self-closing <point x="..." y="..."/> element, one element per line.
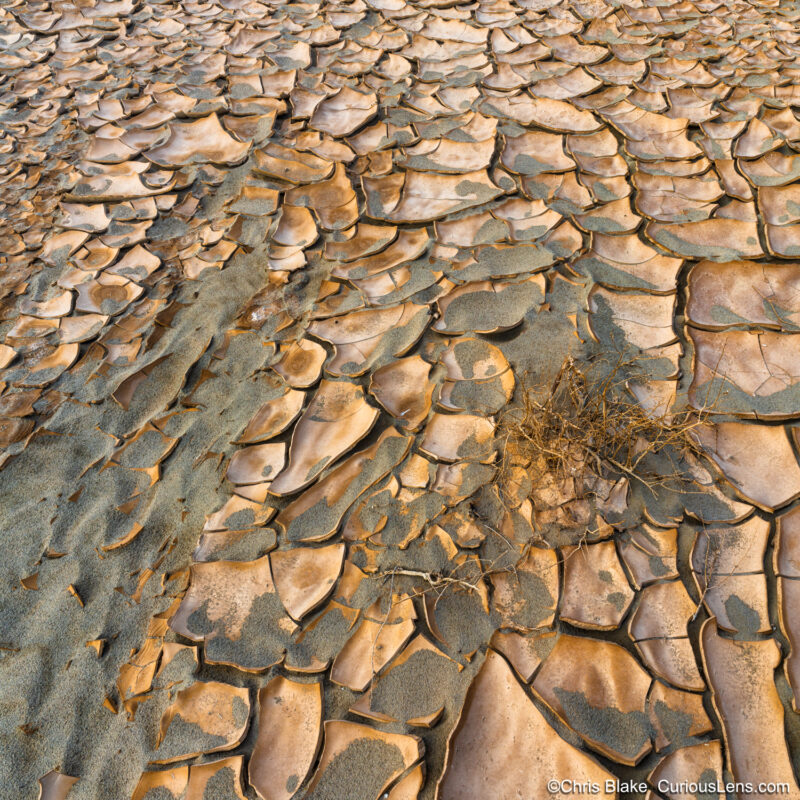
<point x="272" y="277"/>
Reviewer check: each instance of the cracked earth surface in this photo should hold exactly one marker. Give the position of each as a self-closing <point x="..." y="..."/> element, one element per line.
<point x="271" y="273"/>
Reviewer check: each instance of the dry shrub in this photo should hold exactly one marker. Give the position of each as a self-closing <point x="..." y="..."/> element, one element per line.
<point x="587" y="428"/>
<point x="566" y="445"/>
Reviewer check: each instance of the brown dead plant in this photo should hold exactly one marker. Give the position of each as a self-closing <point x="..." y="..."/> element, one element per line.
<point x="588" y="428"/>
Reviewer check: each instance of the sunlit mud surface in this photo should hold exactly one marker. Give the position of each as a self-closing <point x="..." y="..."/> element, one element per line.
<point x="274" y="275"/>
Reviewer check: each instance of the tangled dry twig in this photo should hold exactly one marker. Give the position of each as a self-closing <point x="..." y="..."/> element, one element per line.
<point x="587" y="426"/>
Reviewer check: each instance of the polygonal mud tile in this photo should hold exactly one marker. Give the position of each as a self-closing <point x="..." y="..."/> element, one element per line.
<point x="758" y="460"/>
<point x="233" y="607"/>
<point x="317" y="513"/>
<point x="743" y="293"/>
<point x="599" y="690"/>
<point x="689" y="770"/>
<point x="728" y="567"/>
<point x="55" y="785"/>
<point x="204" y="718"/>
<point x="405" y="390"/>
<point x="488" y="306"/>
<point x="274" y="417"/>
<point x="362" y="338"/>
<point x="413" y="689"/>
<point x="378" y="758"/>
<point x="201" y="141"/>
<point x="413" y="196"/>
<point x="741" y="372"/>
<point x="525" y="652"/>
<point x="658" y="626"/>
<point x="741" y="676"/>
<point x="305" y="576"/>
<point x="337" y="417"/>
<point x="289" y="736"/>
<point x="676" y="716"/>
<point x="526" y="753"/>
<point x="596" y="592"/>
<point x="650" y="553"/>
<point x="526" y="597"/>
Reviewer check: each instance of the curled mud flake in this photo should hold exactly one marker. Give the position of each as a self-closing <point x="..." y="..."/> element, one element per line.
<point x="290" y="165"/>
<point x="296" y="227"/>
<point x="715" y="239"/>
<point x="317" y="513"/>
<point x="169" y="782"/>
<point x="526" y="220"/>
<point x="405" y="390"/>
<point x="199" y="142"/>
<point x="758" y="460"/>
<point x="274" y="417"/>
<point x="228" y="606"/>
<point x="773" y="169"/>
<point x="488" y="306"/>
<point x="301" y="363"/>
<point x="337" y="417"/>
<point x="14" y="429"/>
<point x="362" y="338"/>
<point x="256" y="463"/>
<point x="56" y="306"/>
<point x="366" y="239"/>
<point x="380" y="758"/>
<point x="599" y="690"/>
<point x="447" y="156"/>
<point x="479" y="378"/>
<point x="741" y="676"/>
<point x="333" y="201"/>
<point x="788" y="597"/>
<point x="219" y="779"/>
<point x="7" y="355"/>
<point x="289" y="736"/>
<point x="526" y="752"/>
<point x="784" y="240"/>
<point x="451" y="437"/>
<point x="241" y="510"/>
<point x="408" y="245"/>
<point x="625" y="262"/>
<point x="306" y="576"/>
<point x="555" y="115"/>
<point x="666" y="198"/>
<point x="255" y="201"/>
<point x="614" y="217"/>
<point x="344" y="112"/>
<point x="408" y="787"/>
<point x="107" y="294"/>
<point x="204" y="718"/>
<point x="596" y="592"/>
<point x="55" y="785"/>
<point x="413" y="196"/>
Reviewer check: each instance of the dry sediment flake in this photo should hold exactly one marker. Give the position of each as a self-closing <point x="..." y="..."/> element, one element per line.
<point x="528" y="752"/>
<point x="272" y="231"/>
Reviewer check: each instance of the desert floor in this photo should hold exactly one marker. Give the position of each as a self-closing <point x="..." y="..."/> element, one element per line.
<point x="398" y="399"/>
